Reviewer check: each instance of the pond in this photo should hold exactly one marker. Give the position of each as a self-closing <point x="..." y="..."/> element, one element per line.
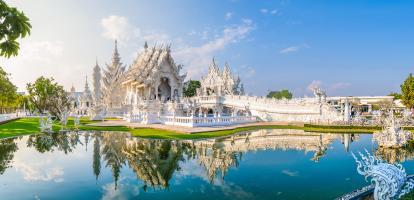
<point x="262" y="164"/>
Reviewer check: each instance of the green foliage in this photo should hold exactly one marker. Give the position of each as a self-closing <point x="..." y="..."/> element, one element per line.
<point x="286" y="94"/>
<point x="47" y="95"/>
<point x="395" y="95"/>
<point x="9" y="99"/>
<point x="13" y="25"/>
<point x="407" y="91"/>
<point x="190" y="88"/>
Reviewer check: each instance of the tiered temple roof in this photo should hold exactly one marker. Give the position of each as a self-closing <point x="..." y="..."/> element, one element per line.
<point x="224" y="80"/>
<point x="149" y="62"/>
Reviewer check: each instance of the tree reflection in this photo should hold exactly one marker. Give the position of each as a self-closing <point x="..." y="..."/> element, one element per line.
<point x="97" y="155"/>
<point x="396" y="155"/>
<point x="113" y="143"/>
<point x="153" y="161"/>
<point x="7" y="149"/>
<point x="56" y="141"/>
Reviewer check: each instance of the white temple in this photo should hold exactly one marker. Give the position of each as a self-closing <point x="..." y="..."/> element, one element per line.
<point x="151" y="91"/>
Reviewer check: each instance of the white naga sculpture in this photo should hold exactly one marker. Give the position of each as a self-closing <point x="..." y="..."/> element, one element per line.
<point x="392" y="135"/>
<point x="391" y="181"/>
<point x="46" y="123"/>
<point x="76" y="121"/>
<point x="64" y="120"/>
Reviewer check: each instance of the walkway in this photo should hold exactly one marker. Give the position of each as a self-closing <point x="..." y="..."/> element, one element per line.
<point x="8" y="117"/>
<point x="188" y="129"/>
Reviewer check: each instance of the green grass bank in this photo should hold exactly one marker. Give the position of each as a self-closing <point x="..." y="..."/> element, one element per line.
<point x="26" y="126"/>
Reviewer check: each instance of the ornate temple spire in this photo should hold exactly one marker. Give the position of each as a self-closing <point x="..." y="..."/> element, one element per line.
<point x="145" y="45"/>
<point x="116" y="58"/>
<point x="242" y="92"/>
<point x="72" y="89"/>
<point x="86" y="84"/>
<point x="97" y="93"/>
<point x="111" y="90"/>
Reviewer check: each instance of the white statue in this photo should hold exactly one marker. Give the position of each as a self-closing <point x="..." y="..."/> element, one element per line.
<point x="46" y="124"/>
<point x="392" y="135"/>
<point x="76" y="122"/>
<point x="64" y="120"/>
<point x="391" y="181"/>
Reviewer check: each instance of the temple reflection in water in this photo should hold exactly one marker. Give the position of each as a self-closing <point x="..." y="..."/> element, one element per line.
<point x="155" y="161"/>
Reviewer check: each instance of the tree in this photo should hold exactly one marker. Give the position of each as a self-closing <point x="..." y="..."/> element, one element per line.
<point x="9" y="99"/>
<point x="395" y="95"/>
<point x="13" y="25"/>
<point x="280" y="94"/>
<point x="47" y="95"/>
<point x="190" y="88"/>
<point x="407" y="92"/>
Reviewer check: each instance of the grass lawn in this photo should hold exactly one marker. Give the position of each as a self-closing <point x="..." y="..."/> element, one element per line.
<point x="26" y="126"/>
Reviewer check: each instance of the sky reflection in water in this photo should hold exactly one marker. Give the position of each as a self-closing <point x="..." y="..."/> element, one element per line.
<point x="264" y="164"/>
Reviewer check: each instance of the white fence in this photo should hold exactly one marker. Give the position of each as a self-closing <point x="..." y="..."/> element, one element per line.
<point x="206" y="121"/>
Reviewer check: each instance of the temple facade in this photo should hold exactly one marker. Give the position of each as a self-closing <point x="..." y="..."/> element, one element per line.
<point x="153" y="76"/>
<point x="150" y="90"/>
<point x="218" y="82"/>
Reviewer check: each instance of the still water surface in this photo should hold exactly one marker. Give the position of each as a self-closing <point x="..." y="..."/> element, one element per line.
<point x="263" y="164"/>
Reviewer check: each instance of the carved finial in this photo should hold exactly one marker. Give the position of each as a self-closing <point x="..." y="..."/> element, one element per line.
<point x="72" y="89"/>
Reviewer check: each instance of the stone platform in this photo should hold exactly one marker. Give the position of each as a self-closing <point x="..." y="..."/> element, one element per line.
<point x="190" y="130"/>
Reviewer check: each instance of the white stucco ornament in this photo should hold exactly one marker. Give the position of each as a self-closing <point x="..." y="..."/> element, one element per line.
<point x="46" y="123"/>
<point x="392" y="135"/>
<point x="390" y="180"/>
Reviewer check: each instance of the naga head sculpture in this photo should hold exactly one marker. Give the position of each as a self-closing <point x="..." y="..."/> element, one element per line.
<point x="390" y="180"/>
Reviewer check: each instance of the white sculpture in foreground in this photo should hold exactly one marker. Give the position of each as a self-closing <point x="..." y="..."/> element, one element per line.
<point x="391" y="181"/>
<point x="392" y="135"/>
<point x="76" y="122"/>
<point x="64" y="115"/>
<point x="46" y="123"/>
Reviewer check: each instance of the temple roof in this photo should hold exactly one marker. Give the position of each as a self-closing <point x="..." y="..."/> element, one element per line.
<point x="150" y="61"/>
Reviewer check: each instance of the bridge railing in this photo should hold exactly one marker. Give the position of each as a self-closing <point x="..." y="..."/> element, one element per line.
<point x="206" y="121"/>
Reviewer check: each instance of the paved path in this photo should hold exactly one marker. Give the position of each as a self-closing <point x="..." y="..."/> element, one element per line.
<point x="187" y="129"/>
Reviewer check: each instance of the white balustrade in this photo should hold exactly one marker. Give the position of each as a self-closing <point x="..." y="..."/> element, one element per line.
<point x="206" y="121"/>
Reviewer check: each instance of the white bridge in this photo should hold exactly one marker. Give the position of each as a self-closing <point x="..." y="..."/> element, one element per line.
<point x="233" y="109"/>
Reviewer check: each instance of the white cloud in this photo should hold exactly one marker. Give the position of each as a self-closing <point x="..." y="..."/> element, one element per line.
<point x="39" y="171"/>
<point x="274" y="12"/>
<point x="292" y="49"/>
<point x="118" y="28"/>
<point x="194" y="58"/>
<point x="228" y="15"/>
<point x="123" y="191"/>
<point x="264" y="10"/>
<point x="290" y="173"/>
<point x="40" y="58"/>
<point x="197" y="58"/>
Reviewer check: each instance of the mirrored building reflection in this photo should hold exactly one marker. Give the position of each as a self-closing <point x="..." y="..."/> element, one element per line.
<point x="154" y="162"/>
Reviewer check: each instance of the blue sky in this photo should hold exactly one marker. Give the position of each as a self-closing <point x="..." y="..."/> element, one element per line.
<point x="346" y="47"/>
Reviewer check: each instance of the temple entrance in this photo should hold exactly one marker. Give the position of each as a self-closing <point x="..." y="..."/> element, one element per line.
<point x="164" y="90"/>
